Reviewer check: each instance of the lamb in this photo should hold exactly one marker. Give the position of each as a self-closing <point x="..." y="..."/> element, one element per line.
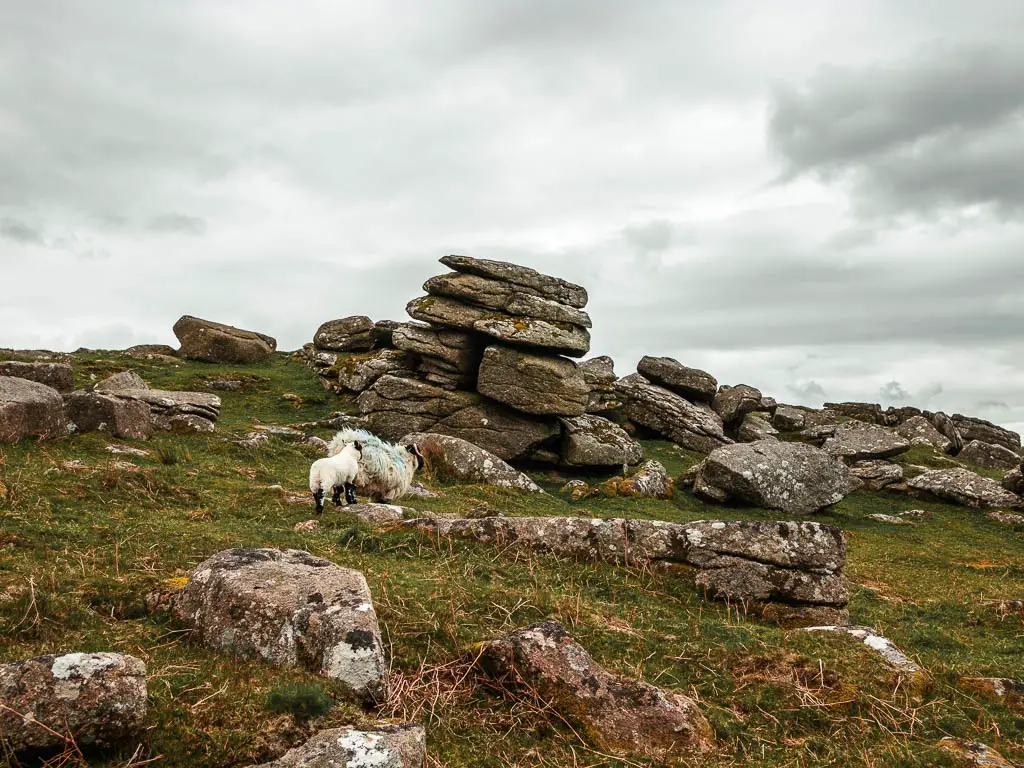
<point x="385" y="469"/>
<point x="336" y="472"/>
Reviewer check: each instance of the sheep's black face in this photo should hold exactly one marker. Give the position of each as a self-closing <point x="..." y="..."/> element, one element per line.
<point x="415" y="451"/>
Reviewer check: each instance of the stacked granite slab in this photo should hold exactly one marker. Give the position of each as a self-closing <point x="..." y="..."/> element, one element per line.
<point x="486" y="358"/>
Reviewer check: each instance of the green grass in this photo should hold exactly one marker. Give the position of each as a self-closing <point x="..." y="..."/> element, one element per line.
<point x="80" y="549"/>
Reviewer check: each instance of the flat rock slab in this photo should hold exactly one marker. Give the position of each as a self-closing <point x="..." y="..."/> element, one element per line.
<point x="593" y="441"/>
<point x="548" y="287"/>
<point x="57" y="376"/>
<point x="461" y="460"/>
<point x="989" y="455"/>
<point x="30" y="409"/>
<point x="788" y="562"/>
<point x="961" y="486"/>
<point x="692" y="383"/>
<point x="504" y="296"/>
<point x="288" y="608"/>
<point x="793" y="477"/>
<point x="682" y="422"/>
<point x="381" y="513"/>
<point x="884" y="647"/>
<point x="877" y="473"/>
<point x="212" y="342"/>
<point x="858" y="441"/>
<point x="619" y="714"/>
<point x="98" y="699"/>
<point x="391" y="746"/>
<point x="543" y="385"/>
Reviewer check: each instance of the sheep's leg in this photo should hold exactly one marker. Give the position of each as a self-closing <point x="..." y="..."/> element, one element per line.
<point x="350" y="493"/>
<point x="336" y="498"/>
<point x="318" y="497"/>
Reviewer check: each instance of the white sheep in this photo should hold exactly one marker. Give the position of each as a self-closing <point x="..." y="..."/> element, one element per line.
<point x="336" y="472"/>
<point x="385" y="469"/>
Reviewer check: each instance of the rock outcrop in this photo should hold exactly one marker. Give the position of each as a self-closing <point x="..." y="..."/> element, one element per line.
<point x="120" y="417"/>
<point x="690" y="425"/>
<point x="619" y="714"/>
<point x="58" y="376"/>
<point x="593" y="441"/>
<point x="30" y="409"/>
<point x="534" y="384"/>
<point x="985" y="431"/>
<point x="793" y="477"/>
<point x="389" y="746"/>
<point x="756" y="427"/>
<point x="919" y="430"/>
<point x="92" y="699"/>
<point x="349" y="334"/>
<point x="357" y="373"/>
<point x="174" y="411"/>
<point x="961" y="486"/>
<point x="989" y="455"/>
<point x="460" y="460"/>
<point x="212" y="342"/>
<point x="876" y="474"/>
<point x="691" y="383"/>
<point x="870" y="413"/>
<point x="288" y="608"/>
<point x="733" y="403"/>
<point x="859" y="441"/>
<point x="789" y="418"/>
<point x="944" y="424"/>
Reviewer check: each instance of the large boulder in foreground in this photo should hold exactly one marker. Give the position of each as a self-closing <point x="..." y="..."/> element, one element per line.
<point x="989" y="455"/>
<point x="120" y="417"/>
<point x="97" y="699"/>
<point x="58" y="376"/>
<point x="211" y="342"/>
<point x="461" y="460"/>
<point x="389" y="746"/>
<point x="30" y="409"/>
<point x="961" y="486"/>
<point x="592" y="441"/>
<point x="691" y="426"/>
<point x="793" y="477"/>
<point x="860" y="441"/>
<point x="288" y="608"/>
<point x="691" y="383"/>
<point x="537" y="384"/>
<point x="349" y="334"/>
<point x="618" y="714"/>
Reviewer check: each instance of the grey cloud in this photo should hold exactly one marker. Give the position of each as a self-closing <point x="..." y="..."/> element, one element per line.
<point x="937" y="131"/>
<point x="807" y="391"/>
<point x="177" y="222"/>
<point x="19" y="231"/>
<point x="894" y="392"/>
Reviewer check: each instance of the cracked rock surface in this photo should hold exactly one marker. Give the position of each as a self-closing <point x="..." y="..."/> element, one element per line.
<point x="391" y="746"/>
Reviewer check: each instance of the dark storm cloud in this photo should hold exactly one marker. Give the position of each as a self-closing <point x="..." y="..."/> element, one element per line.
<point x="942" y="129"/>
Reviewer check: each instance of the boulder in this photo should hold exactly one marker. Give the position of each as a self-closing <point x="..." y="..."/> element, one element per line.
<point x="591" y="441"/>
<point x="376" y="513"/>
<point x="987" y="432"/>
<point x="57" y="376"/>
<point x="858" y="441"/>
<point x="671" y="415"/>
<point x="877" y="473"/>
<point x="870" y="413"/>
<point x="1013" y="481"/>
<point x="819" y="418"/>
<point x="961" y="486"/>
<point x="1006" y="518"/>
<point x="151" y="350"/>
<point x="818" y="435"/>
<point x="896" y="416"/>
<point x="212" y="342"/>
<point x="505" y="297"/>
<point x="619" y="714"/>
<point x="507" y="434"/>
<point x="599" y="374"/>
<point x="30" y="409"/>
<point x="349" y="334"/>
<point x="449" y="355"/>
<point x="460" y="460"/>
<point x="96" y="699"/>
<point x="756" y="427"/>
<point x="691" y="383"/>
<point x="388" y="746"/>
<point x="535" y="384"/>
<point x="650" y="479"/>
<point x="394" y="406"/>
<point x="793" y="477"/>
<point x="288" y="608"/>
<point x="788" y="418"/>
<point x="525" y="279"/>
<point x="919" y="430"/>
<point x="357" y="373"/>
<point x="121" y="381"/>
<point x="733" y="403"/>
<point x="989" y="455"/>
<point x="175" y="411"/>
<point x="948" y="429"/>
<point x="90" y="411"/>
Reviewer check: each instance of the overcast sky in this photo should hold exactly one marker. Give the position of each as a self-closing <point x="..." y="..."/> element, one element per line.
<point x="821" y="199"/>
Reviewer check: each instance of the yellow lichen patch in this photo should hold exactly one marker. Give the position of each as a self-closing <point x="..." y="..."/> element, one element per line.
<point x="175" y="584"/>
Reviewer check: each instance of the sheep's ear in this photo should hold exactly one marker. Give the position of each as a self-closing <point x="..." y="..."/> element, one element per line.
<point x="413" y="449"/>
<point x="358" y="445"/>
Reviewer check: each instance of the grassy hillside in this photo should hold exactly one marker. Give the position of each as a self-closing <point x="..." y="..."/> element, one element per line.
<point x="80" y="547"/>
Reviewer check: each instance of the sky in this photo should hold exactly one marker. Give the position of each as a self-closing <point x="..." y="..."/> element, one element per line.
<point x="821" y="199"/>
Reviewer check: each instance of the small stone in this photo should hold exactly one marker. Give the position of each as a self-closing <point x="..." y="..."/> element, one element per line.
<point x="390" y="746"/>
<point x="1006" y="518"/>
<point x="891" y="519"/>
<point x="892" y="655"/>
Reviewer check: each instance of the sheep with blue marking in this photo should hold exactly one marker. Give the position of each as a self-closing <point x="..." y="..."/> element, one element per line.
<point x="337" y="473"/>
<point x="385" y="469"/>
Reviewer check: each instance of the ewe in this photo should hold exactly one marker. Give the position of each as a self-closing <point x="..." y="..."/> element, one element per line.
<point x="385" y="469"/>
<point x="335" y="472"/>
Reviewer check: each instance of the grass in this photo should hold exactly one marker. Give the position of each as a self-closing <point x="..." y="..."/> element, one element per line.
<point x="79" y="549"/>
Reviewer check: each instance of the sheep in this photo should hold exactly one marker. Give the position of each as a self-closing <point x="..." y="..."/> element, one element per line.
<point x="335" y="472"/>
<point x="385" y="469"/>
